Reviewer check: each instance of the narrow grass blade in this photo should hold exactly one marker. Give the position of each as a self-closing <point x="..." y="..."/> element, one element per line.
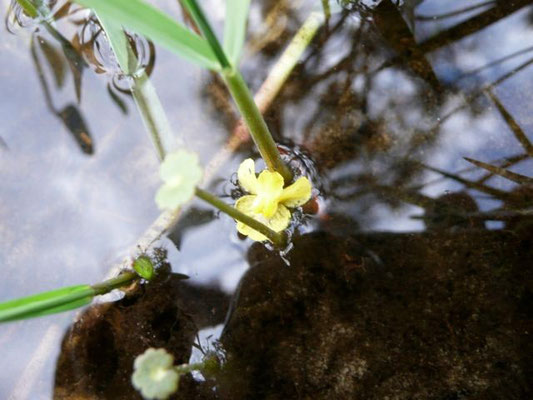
<point x="51" y="302"/>
<point x="512" y="176"/>
<point x="513" y="124"/>
<point x="119" y="43"/>
<point x="235" y="28"/>
<point x="147" y="20"/>
<point x="202" y="23"/>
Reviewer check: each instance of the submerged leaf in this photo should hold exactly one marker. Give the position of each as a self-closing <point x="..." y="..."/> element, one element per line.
<point x="54" y="59"/>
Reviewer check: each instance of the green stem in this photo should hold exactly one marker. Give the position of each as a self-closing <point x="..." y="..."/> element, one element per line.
<point x="256" y="123"/>
<point x="113" y="283"/>
<point x="278" y="238"/>
<point x="242" y="96"/>
<point x="153" y="117"/>
<point x="201" y="21"/>
<point x="186" y="368"/>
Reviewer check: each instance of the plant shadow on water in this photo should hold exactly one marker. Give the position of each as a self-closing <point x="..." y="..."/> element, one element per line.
<point x="413" y="280"/>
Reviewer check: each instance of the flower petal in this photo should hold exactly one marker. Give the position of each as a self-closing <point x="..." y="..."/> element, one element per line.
<point x="173" y="196"/>
<point x="246" y="176"/>
<point x="296" y="194"/>
<point x="270" y="183"/>
<point x="277" y="223"/>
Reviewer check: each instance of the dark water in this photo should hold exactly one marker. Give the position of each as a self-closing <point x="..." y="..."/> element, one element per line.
<point x="387" y="102"/>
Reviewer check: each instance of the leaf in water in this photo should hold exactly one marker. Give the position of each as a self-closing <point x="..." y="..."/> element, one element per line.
<point x="62" y="12"/>
<point x="147" y="20"/>
<point x="117" y="100"/>
<point x="235" y="28"/>
<point x="46" y="303"/>
<point x="119" y="43"/>
<point x="76" y="64"/>
<point x="54" y="59"/>
<point x="75" y="123"/>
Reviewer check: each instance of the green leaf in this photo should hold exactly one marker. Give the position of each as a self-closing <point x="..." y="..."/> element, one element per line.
<point x="235" y="28"/>
<point x="119" y="43"/>
<point x="147" y="20"/>
<point x="46" y="303"/>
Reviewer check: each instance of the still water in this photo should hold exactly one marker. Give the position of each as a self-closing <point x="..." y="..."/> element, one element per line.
<point x="387" y="102"/>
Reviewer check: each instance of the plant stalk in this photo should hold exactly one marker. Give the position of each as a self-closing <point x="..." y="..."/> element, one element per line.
<point x="256" y="123"/>
<point x="122" y="280"/>
<point x="278" y="238"/>
<point x="242" y="96"/>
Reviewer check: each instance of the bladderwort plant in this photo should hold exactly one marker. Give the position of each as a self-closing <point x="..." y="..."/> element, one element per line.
<point x="263" y="214"/>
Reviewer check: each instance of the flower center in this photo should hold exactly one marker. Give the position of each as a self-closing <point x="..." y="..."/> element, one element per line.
<point x="266" y="204"/>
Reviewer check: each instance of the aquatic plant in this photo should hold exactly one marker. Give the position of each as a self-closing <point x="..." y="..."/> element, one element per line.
<point x="72" y="297"/>
<point x="262" y="214"/>
<point x="255" y="213"/>
<point x="156" y="377"/>
<point x="268" y="200"/>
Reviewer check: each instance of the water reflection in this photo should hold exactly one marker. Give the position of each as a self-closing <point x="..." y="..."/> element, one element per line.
<point x="388" y="101"/>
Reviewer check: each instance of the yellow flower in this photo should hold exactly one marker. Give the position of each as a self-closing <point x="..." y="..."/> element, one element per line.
<point x="268" y="200"/>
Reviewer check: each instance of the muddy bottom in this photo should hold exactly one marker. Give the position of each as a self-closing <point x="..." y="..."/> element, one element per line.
<point x="441" y="315"/>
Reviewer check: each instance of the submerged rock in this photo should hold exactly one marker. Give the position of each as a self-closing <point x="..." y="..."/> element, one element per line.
<point x="383" y="316"/>
<point x="98" y="351"/>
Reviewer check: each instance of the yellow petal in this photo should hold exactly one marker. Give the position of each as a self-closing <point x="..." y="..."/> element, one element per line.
<point x="246" y="176"/>
<point x="277" y="223"/>
<point x="270" y="183"/>
<point x="269" y="188"/>
<point x="246" y="204"/>
<point x="296" y="194"/>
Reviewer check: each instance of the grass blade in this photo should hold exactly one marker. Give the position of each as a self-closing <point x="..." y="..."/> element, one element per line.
<point x="512" y="176"/>
<point x="198" y="15"/>
<point x="235" y="28"/>
<point x="119" y="44"/>
<point x="147" y="20"/>
<point x="46" y="303"/>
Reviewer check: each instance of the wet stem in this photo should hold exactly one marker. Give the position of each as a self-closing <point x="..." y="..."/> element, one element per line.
<point x="278" y="238"/>
<point x="255" y="122"/>
<point x="242" y="96"/>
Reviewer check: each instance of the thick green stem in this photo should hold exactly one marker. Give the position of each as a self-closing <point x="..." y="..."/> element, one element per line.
<point x="122" y="280"/>
<point x="256" y="123"/>
<point x="242" y="96"/>
<point x="278" y="238"/>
